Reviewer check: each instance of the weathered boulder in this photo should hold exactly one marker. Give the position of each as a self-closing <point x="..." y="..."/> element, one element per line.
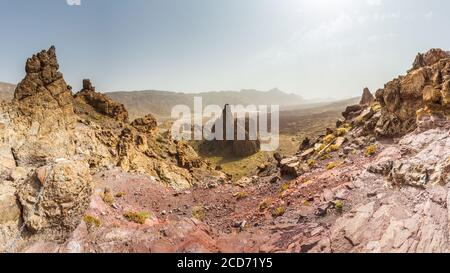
<point x="291" y="167"/>
<point x="370" y="125"/>
<point x="365" y="115"/>
<point x="7" y="162"/>
<point x="352" y="111"/>
<point x="187" y="157"/>
<point x="9" y="207"/>
<point x="55" y="197"/>
<point x="307" y="153"/>
<point x="306" y="144"/>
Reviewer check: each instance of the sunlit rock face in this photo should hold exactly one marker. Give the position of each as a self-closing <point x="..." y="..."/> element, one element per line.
<point x="423" y="92"/>
<point x="51" y="142"/>
<point x="101" y="103"/>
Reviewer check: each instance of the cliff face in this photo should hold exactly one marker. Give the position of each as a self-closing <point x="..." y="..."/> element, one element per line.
<point x="6" y="91"/>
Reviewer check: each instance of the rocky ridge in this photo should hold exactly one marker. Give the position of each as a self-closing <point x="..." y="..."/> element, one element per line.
<point x="101" y="103"/>
<point x="354" y="189"/>
<point x="421" y="94"/>
<point x="51" y="142"/>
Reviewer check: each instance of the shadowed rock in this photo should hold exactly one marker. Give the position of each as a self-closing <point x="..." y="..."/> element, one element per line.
<point x="367" y="97"/>
<point x="245" y="147"/>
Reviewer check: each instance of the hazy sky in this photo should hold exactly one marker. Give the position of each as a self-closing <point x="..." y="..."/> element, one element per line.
<point x="316" y="48"/>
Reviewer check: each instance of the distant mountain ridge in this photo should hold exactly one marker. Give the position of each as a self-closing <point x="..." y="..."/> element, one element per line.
<point x="161" y="102"/>
<point x="6" y="91"/>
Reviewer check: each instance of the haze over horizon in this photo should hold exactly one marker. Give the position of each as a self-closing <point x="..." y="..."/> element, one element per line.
<point x="316" y="49"/>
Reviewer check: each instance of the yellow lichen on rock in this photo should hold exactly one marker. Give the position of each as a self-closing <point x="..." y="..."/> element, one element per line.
<point x="331" y="165"/>
<point x="137" y="217"/>
<point x="198" y="212"/>
<point x="371" y="150"/>
<point x="329" y="138"/>
<point x="278" y="212"/>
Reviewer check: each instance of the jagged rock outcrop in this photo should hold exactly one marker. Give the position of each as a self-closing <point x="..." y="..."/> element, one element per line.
<point x="101" y="103"/>
<point x="38" y="133"/>
<point x="418" y="99"/>
<point x="172" y="163"/>
<point x="367" y="97"/>
<point x="39" y="124"/>
<point x="135" y="147"/>
<point x="51" y="142"/>
<point x="146" y="124"/>
<point x="238" y="147"/>
<point x="43" y="115"/>
<point x="431" y="57"/>
<point x="421" y="93"/>
<point x="188" y="157"/>
<point x="411" y="218"/>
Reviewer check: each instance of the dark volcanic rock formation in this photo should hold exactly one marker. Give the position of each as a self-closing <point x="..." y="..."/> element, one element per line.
<point x="101" y="103"/>
<point x="43" y="95"/>
<point x="238" y="147"/>
<point x="367" y="97"/>
<point x="46" y="117"/>
<point x="352" y="111"/>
